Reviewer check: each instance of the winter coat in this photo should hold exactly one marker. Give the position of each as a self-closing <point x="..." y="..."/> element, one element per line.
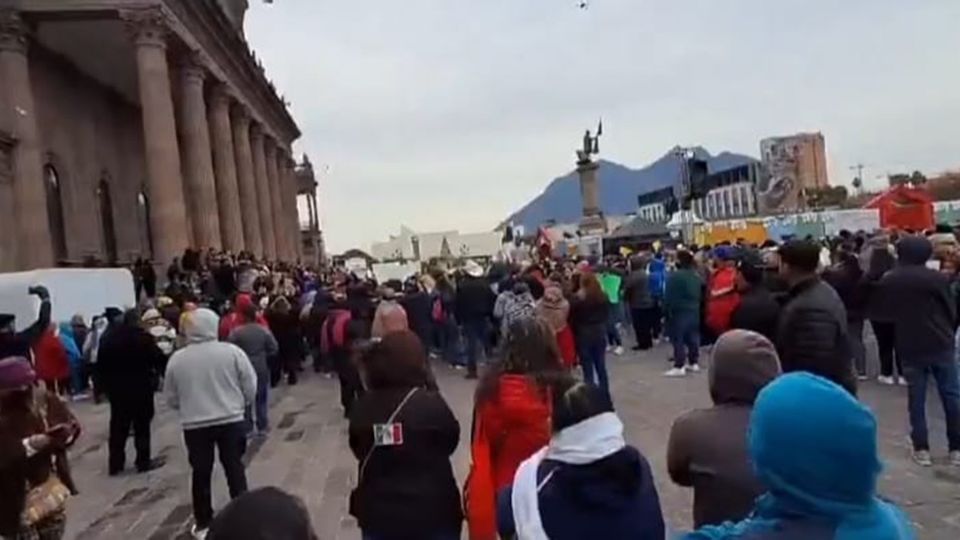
<point x="259" y="345"/>
<point x="475" y="299"/>
<point x="720" y="308"/>
<point x="553" y="308"/>
<point x="20" y="343"/>
<point x="684" y="291"/>
<point x="636" y="290"/>
<point x="419" y="310"/>
<point x="408" y="490"/>
<point x="812" y="333"/>
<point x="707" y="449"/>
<point x="234" y="319"/>
<point x="50" y="357"/>
<point x="919" y="302"/>
<point x="285" y="326"/>
<point x="847" y="280"/>
<point x="758" y="311"/>
<point x="658" y="278"/>
<point x="129" y="364"/>
<point x="512" y="307"/>
<point x="588" y="318"/>
<point x="516" y="422"/>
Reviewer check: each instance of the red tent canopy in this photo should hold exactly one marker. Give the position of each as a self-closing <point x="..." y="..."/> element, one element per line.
<point x="904" y="207"/>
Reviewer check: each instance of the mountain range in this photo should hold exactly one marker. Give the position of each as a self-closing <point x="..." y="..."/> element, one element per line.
<point x="619" y="187"/>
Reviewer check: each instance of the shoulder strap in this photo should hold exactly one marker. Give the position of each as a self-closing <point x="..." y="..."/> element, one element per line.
<point x="393" y="416"/>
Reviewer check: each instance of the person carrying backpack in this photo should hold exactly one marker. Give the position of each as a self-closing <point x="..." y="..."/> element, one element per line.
<point x="336" y="342"/>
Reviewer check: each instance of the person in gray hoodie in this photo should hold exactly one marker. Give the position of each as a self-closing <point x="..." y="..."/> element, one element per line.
<point x="707" y="449"/>
<point x="259" y="344"/>
<point x="210" y="383"/>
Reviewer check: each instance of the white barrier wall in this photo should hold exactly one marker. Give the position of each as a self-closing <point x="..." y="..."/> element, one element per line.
<point x="84" y="291"/>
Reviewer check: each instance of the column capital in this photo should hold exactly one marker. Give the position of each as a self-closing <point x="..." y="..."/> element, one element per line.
<point x="256" y="131"/>
<point x="192" y="67"/>
<point x="241" y="117"/>
<point x="148" y="26"/>
<point x="13" y="31"/>
<point x="221" y="95"/>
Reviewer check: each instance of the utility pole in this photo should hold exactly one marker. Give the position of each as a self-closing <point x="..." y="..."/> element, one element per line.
<point x="858" y="180"/>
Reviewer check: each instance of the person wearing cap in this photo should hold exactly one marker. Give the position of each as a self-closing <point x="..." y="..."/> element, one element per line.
<point x="474" y="309"/>
<point x="758" y="310"/>
<point x="812" y="330"/>
<point x="707" y="449"/>
<point x="13" y="343"/>
<point x="129" y="363"/>
<point x="36" y="428"/>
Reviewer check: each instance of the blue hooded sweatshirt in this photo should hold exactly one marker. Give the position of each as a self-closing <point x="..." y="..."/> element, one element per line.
<point x="658" y="277"/>
<point x="814" y="447"/>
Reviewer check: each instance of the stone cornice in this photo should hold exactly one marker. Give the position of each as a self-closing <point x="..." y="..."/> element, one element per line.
<point x="148" y="26"/>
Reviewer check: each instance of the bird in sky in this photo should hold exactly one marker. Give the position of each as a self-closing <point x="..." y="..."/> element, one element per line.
<point x="583" y="4"/>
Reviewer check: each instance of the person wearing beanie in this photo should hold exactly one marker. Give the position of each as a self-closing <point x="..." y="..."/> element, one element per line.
<point x="263" y="514"/>
<point x="918" y="301"/>
<point x="260" y="345"/>
<point x="586" y="482"/>
<point x="814" y="449"/>
<point x="210" y="384"/>
<point x="36" y="429"/>
<point x="812" y="330"/>
<point x="707" y="449"/>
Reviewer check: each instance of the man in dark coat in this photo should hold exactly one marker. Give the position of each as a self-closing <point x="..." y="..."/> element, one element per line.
<point x="758" y="310"/>
<point x="918" y="301"/>
<point x="13" y="343"/>
<point x="812" y="331"/>
<point x="474" y="308"/>
<point x="128" y="362"/>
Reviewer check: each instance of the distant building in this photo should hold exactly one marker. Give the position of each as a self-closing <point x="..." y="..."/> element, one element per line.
<point x="795" y="164"/>
<point x="410" y="245"/>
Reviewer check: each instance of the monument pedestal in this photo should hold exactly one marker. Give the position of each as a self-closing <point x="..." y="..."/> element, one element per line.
<point x="592" y="222"/>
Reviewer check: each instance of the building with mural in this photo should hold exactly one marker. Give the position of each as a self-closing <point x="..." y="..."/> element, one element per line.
<point x="794" y="164"/>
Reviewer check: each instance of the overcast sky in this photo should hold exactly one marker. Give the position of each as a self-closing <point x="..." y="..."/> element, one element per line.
<point x="451" y="114"/>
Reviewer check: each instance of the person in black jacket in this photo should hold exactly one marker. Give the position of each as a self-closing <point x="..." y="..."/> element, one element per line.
<point x="589" y="311"/>
<point x="403" y="434"/>
<point x="129" y="363"/>
<point x="919" y="302"/>
<point x="18" y="344"/>
<point x="758" y="310"/>
<point x="419" y="307"/>
<point x="847" y="279"/>
<point x="285" y="325"/>
<point x="879" y="262"/>
<point x="474" y="308"/>
<point x="812" y="330"/>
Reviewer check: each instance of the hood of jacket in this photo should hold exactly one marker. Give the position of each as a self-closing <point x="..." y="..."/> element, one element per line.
<point x="914" y="250"/>
<point x="743" y="363"/>
<point x="200" y="326"/>
<point x="520" y="402"/>
<point x="814" y="447"/>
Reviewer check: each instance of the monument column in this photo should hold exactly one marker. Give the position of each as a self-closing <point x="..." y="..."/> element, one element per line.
<point x="263" y="193"/>
<point x="195" y="133"/>
<point x="247" y="183"/>
<point x="276" y="205"/>
<point x="225" y="169"/>
<point x="33" y="232"/>
<point x="293" y="211"/>
<point x="168" y="218"/>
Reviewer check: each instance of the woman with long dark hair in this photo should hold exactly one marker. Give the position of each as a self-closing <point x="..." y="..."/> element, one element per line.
<point x="511" y="416"/>
<point x="589" y="312"/>
<point x="880" y="262"/>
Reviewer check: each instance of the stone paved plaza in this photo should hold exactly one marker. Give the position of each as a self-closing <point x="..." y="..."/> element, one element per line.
<point x="307" y="454"/>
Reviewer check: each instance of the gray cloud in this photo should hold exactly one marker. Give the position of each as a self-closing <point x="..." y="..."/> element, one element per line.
<point x="443" y="114"/>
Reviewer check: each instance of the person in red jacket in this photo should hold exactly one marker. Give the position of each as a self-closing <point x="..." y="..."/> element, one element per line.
<point x="234" y="319"/>
<point x="722" y="295"/>
<point x="51" y="362"/>
<point x="511" y="417"/>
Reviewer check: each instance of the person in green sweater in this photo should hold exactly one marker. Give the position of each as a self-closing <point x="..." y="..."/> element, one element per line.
<point x="681" y="303"/>
<point x="611" y="281"/>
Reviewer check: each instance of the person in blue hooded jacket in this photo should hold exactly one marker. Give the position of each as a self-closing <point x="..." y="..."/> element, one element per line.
<point x="658" y="282"/>
<point x="586" y="483"/>
<point x="74" y="358"/>
<point x="814" y="448"/>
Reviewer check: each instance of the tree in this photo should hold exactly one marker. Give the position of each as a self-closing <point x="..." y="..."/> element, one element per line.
<point x="827" y="197"/>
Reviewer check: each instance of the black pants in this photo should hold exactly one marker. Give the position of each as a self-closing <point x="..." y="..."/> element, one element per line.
<point x="125" y="414"/>
<point x="230" y="442"/>
<point x="351" y="388"/>
<point x="642" y="319"/>
<point x="656" y="319"/>
<point x="885" y="343"/>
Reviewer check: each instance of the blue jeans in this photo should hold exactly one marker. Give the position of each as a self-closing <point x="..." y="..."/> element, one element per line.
<point x="685" y="338"/>
<point x="475" y="333"/>
<point x="943" y="368"/>
<point x="613" y="333"/>
<point x="593" y="361"/>
<point x="260" y="407"/>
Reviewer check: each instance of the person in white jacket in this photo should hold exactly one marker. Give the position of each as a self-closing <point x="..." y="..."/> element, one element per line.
<point x="210" y="383"/>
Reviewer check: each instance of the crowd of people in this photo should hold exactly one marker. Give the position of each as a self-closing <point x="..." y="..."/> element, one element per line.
<point x="787" y="450"/>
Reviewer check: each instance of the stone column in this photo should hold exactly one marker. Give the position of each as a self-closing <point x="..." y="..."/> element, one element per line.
<point x="293" y="213"/>
<point x="33" y="225"/>
<point x="276" y="207"/>
<point x="263" y="193"/>
<point x="247" y="183"/>
<point x="225" y="168"/>
<point x="168" y="217"/>
<point x="197" y="157"/>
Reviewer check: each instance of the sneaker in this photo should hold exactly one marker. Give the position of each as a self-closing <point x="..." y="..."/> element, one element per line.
<point x="886" y="380"/>
<point x="676" y="372"/>
<point x="901" y="381"/>
<point x="862" y="377"/>
<point x="694" y="368"/>
<point x="198" y="533"/>
<point x="609" y="348"/>
<point x="955" y="458"/>
<point x="618" y="351"/>
<point x="922" y="458"/>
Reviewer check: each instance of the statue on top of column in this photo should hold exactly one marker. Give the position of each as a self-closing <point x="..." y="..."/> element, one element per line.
<point x="591" y="145"/>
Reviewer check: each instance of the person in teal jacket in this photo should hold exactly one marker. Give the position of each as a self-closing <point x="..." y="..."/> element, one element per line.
<point x="611" y="281"/>
<point x="681" y="305"/>
<point x="814" y="448"/>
